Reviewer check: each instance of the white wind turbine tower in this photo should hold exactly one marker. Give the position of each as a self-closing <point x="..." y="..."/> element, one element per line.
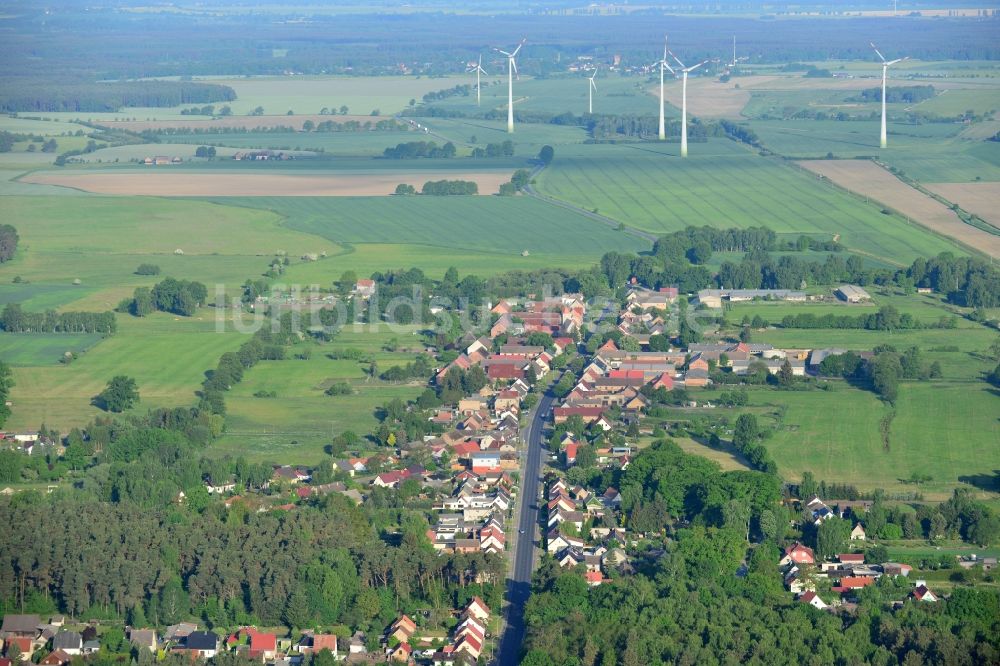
<point x="478" y="69"/>
<point x="590" y="92"/>
<point x="684" y="101"/>
<point x="511" y="73"/>
<point x="886" y="64"/>
<point x="663" y="65"/>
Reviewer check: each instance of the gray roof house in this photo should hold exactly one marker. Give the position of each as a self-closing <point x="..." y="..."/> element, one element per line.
<point x="69" y="642"/>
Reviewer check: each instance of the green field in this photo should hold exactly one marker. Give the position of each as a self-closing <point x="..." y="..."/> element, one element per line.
<point x="309" y="94"/>
<point x="723" y="185"/>
<point x="947" y="430"/>
<point x="614" y="95"/>
<point x="931" y="153"/>
<point x="295" y="425"/>
<point x="331" y="143"/>
<point x="101" y="240"/>
<point x="27" y="349"/>
<point x="166" y="355"/>
<point x="503" y="225"/>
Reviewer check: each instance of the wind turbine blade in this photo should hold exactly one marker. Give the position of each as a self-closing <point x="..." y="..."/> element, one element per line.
<point x="593" y="85"/>
<point x="877" y="52"/>
<point x="513" y="63"/>
<point x="483" y="71"/>
<point x="677" y="59"/>
<point x="893" y="62"/>
<point x="694" y="67"/>
<point x="503" y="52"/>
<point x="519" y="47"/>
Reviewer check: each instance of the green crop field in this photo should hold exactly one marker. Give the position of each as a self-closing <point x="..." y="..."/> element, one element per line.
<point x="836" y="435"/>
<point x="39" y="127"/>
<point x="721" y="184"/>
<point x="505" y="225"/>
<point x="310" y="94"/>
<point x="294" y="426"/>
<point x="931" y="153"/>
<point x="30" y="349"/>
<point x="166" y="355"/>
<point x="614" y="95"/>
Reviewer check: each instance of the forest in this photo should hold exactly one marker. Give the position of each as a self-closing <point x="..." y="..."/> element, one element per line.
<point x="23" y="94"/>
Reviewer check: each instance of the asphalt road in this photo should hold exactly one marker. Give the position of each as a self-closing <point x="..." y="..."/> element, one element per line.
<point x="519" y="583"/>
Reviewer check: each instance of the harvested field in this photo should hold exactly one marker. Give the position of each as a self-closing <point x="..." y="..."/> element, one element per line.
<point x="871" y="180"/>
<point x="201" y="184"/>
<point x="982" y="199"/>
<point x="248" y="123"/>
<point x="708" y="98"/>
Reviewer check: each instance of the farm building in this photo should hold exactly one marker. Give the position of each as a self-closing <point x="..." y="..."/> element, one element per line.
<point x="852" y="293"/>
<point x="713" y="298"/>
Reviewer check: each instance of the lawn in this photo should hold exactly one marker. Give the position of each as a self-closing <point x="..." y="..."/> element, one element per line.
<point x="166" y="355"/>
<point x="32" y="349"/>
<point x="294" y="426"/>
<point x="723" y="185"/>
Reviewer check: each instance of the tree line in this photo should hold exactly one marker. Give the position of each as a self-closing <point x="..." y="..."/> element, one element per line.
<point x="14" y="319"/>
<point x="415" y="149"/>
<point x="895" y="94"/>
<point x="72" y="95"/>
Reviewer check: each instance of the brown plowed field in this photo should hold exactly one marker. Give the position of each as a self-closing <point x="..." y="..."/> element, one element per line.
<point x="200" y="184"/>
<point x="871" y="180"/>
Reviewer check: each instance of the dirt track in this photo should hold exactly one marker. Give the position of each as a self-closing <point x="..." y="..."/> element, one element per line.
<point x="188" y="184"/>
<point x="871" y="180"/>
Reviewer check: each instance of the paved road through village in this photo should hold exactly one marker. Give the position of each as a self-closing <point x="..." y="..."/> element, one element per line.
<point x="519" y="583"/>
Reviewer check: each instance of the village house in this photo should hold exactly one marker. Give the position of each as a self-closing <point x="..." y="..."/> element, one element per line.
<point x="143" y="638"/>
<point x="797" y="554"/>
<point x="813" y="600"/>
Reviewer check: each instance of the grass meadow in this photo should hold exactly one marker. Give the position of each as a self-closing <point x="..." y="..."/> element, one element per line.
<point x="721" y="184"/>
<point x="101" y="241"/>
<point x="948" y="430"/>
<point x="166" y="355"/>
<point x="297" y="423"/>
<point x="35" y="349"/>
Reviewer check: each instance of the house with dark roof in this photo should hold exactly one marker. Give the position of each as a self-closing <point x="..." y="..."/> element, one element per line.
<point x="204" y="644"/>
<point x="69" y="642"/>
<point x="25" y="626"/>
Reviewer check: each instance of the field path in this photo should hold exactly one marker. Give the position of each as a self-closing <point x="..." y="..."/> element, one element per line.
<point x="869" y="179"/>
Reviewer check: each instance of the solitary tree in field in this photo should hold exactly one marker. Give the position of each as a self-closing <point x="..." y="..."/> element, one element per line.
<point x="120" y="394"/>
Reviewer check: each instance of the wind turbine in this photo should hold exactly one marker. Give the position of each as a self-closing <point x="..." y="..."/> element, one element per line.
<point x="511" y="73"/>
<point x="886" y="64"/>
<point x="663" y="65"/>
<point x="590" y="92"/>
<point x="478" y="69"/>
<point x="684" y="101"/>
